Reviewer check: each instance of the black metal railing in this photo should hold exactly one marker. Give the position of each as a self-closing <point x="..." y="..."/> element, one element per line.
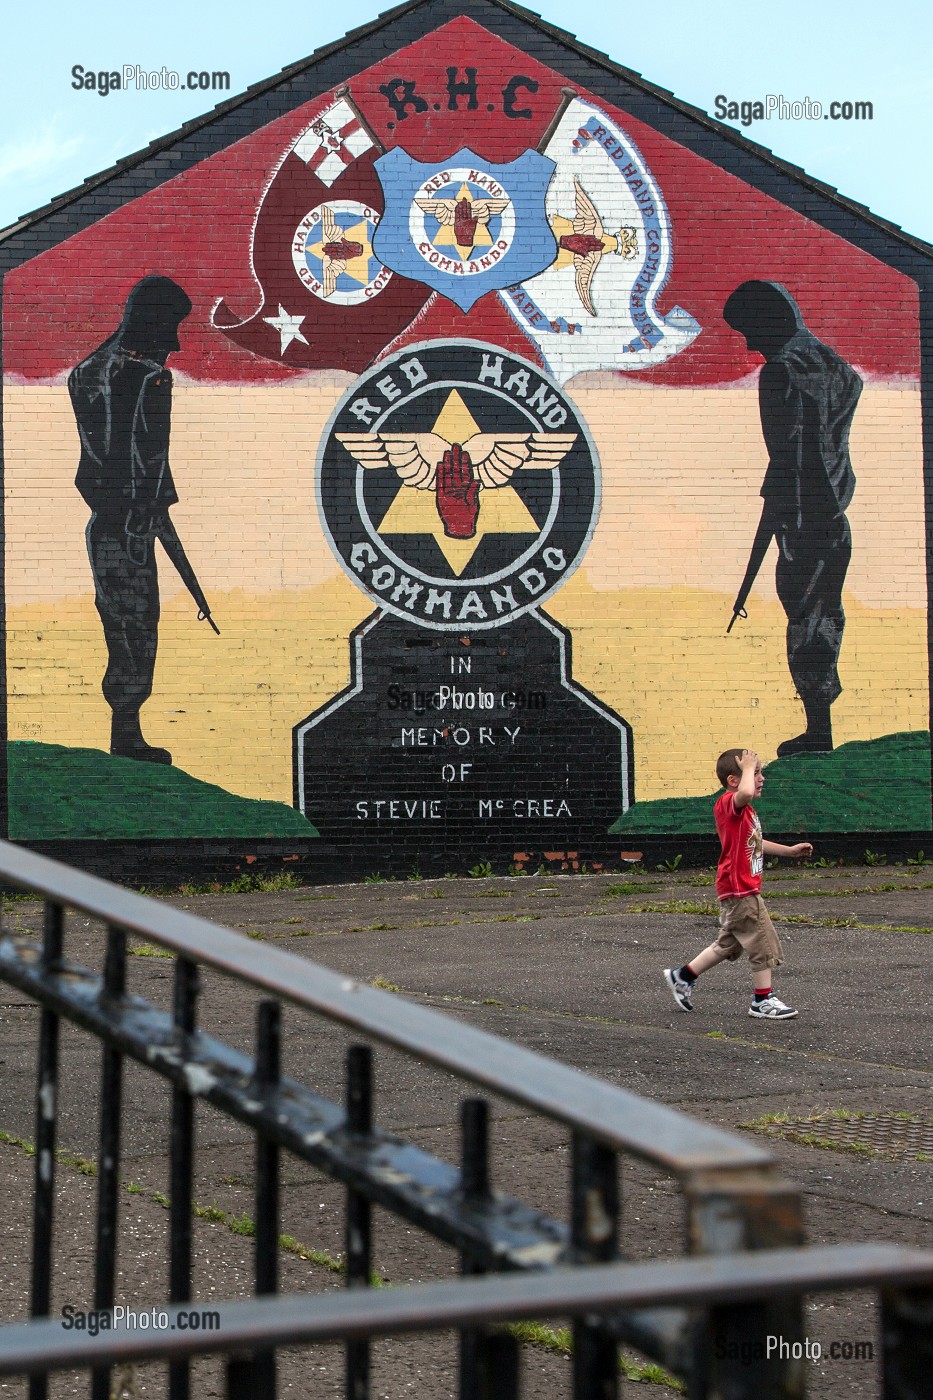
<point x="733" y="1285"/>
<point x="735" y="1199"/>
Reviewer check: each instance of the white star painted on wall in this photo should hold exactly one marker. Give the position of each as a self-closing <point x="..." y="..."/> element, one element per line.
<point x="288" y="327"/>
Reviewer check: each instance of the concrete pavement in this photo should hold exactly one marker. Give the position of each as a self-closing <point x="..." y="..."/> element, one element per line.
<point x="570" y="966"/>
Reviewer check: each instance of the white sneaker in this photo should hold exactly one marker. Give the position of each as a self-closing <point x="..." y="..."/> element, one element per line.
<point x="771" y="1009"/>
<point x="680" y="990"/>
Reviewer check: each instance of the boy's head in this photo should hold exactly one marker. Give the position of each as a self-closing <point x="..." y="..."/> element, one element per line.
<point x="729" y="769"/>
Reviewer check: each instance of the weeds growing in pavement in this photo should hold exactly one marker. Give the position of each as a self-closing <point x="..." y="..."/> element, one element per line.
<point x="246" y="884"/>
<point x="629" y="887"/>
<point x="674" y="906"/>
<point x="211" y="1212"/>
<point x="560" y="1340"/>
<point x="241" y="1224"/>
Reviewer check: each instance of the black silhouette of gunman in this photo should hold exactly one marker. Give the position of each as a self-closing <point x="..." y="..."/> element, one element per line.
<point x="122" y="400"/>
<point x="807" y="398"/>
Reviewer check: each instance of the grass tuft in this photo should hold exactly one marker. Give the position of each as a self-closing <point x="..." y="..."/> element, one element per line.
<point x="241" y="1224"/>
<point x="560" y="1340"/>
<point x="675" y="906"/>
<point x="628" y="887"/>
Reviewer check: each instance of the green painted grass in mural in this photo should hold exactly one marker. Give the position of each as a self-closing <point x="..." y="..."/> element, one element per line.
<point x="59" y="793"/>
<point x="875" y="785"/>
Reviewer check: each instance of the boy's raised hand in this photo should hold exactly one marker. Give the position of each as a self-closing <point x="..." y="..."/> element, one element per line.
<point x="749" y="759"/>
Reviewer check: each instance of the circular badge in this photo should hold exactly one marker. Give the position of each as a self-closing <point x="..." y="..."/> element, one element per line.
<point x="458" y="485"/>
<point x="332" y="253"/>
<point x="465" y="224"/>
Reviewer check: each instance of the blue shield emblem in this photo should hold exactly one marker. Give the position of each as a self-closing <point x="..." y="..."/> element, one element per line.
<point x="465" y="226"/>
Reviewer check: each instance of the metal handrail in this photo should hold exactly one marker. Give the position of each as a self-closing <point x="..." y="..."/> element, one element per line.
<point x="620" y="1119"/>
<point x="734" y="1196"/>
<point x="297" y="1319"/>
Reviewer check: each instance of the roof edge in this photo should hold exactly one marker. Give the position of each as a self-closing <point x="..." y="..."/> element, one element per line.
<point x="520" y="12"/>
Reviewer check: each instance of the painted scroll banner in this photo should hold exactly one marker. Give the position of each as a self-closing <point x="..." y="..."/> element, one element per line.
<point x="595" y="306"/>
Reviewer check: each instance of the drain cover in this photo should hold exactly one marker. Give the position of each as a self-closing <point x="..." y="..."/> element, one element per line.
<point x="901" y="1137"/>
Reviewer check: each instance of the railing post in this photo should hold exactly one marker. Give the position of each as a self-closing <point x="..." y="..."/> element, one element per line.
<point x="358" y="1228"/>
<point x="108" y="1162"/>
<point x="243" y="1381"/>
<point x="474" y="1155"/>
<point x="489" y="1358"/>
<point x="907" y="1343"/>
<point x="268" y="1071"/>
<point x="594" y="1237"/>
<point x="181" y="1170"/>
<point x="729" y="1210"/>
<point x="46" y="1119"/>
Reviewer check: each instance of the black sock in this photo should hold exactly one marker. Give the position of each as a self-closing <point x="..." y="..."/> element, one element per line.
<point x="686" y="974"/>
<point x="760" y="996"/>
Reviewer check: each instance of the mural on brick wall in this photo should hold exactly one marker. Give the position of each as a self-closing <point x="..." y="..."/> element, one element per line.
<point x="516" y="450"/>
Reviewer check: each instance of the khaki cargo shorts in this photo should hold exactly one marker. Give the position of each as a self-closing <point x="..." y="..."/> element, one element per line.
<point x="745" y="926"/>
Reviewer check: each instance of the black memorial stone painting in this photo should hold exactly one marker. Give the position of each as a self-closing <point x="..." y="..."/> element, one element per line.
<point x="443" y="733"/>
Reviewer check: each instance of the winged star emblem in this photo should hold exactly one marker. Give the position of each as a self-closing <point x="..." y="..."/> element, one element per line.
<point x="336" y="251"/>
<point x="464" y="215"/>
<point x="458" y="471"/>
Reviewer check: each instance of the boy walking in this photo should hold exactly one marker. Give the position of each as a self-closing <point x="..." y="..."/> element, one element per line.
<point x="744" y="922"/>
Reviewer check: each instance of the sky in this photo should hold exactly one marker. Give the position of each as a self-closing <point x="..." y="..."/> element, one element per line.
<point x="54" y="135"/>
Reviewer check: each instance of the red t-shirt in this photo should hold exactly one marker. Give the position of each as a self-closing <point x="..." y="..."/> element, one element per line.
<point x="742" y="859"/>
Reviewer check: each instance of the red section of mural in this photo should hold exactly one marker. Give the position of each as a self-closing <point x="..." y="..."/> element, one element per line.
<point x="458" y="86"/>
<point x="327" y="302"/>
<point x="195" y="229"/>
<point x="488" y="320"/>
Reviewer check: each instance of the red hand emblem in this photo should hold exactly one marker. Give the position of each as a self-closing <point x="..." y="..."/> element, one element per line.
<point x="457" y="493"/>
<point x="343" y="249"/>
<point x="464" y="223"/>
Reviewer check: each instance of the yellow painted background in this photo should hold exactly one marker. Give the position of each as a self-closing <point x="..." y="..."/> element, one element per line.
<point x="648" y="608"/>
